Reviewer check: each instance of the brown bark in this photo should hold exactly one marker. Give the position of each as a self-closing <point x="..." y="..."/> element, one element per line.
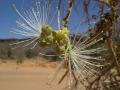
<point x="113" y="53"/>
<point x="65" y="19"/>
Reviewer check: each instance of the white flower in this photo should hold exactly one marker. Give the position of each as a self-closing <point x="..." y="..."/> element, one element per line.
<point x="79" y="57"/>
<point x="30" y="24"/>
<point x="80" y="61"/>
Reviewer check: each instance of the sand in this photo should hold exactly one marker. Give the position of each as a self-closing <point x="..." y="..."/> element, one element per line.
<point x="28" y="76"/>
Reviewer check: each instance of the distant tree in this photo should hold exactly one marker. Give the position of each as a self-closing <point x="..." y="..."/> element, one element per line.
<point x="31" y="53"/>
<point x="9" y="53"/>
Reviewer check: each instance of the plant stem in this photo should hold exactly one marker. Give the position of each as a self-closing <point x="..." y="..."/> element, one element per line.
<point x="113" y="54"/>
<point x="65" y="19"/>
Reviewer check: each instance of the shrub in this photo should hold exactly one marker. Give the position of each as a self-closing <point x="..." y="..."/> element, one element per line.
<point x="19" y="59"/>
<point x="31" y="53"/>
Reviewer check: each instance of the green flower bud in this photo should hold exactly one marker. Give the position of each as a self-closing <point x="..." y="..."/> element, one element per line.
<point x="13" y="6"/>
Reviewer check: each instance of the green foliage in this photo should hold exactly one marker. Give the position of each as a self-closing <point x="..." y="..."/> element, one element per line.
<point x="19" y="60"/>
<point x="9" y="53"/>
<point x="31" y="53"/>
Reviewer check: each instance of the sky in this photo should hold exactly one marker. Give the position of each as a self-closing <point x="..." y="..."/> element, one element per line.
<point x="8" y="16"/>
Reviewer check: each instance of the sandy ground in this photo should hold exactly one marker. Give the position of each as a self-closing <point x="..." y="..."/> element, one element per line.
<point x="30" y="75"/>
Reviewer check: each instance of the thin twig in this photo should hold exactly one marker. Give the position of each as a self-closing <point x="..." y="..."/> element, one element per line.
<point x="65" y="19"/>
